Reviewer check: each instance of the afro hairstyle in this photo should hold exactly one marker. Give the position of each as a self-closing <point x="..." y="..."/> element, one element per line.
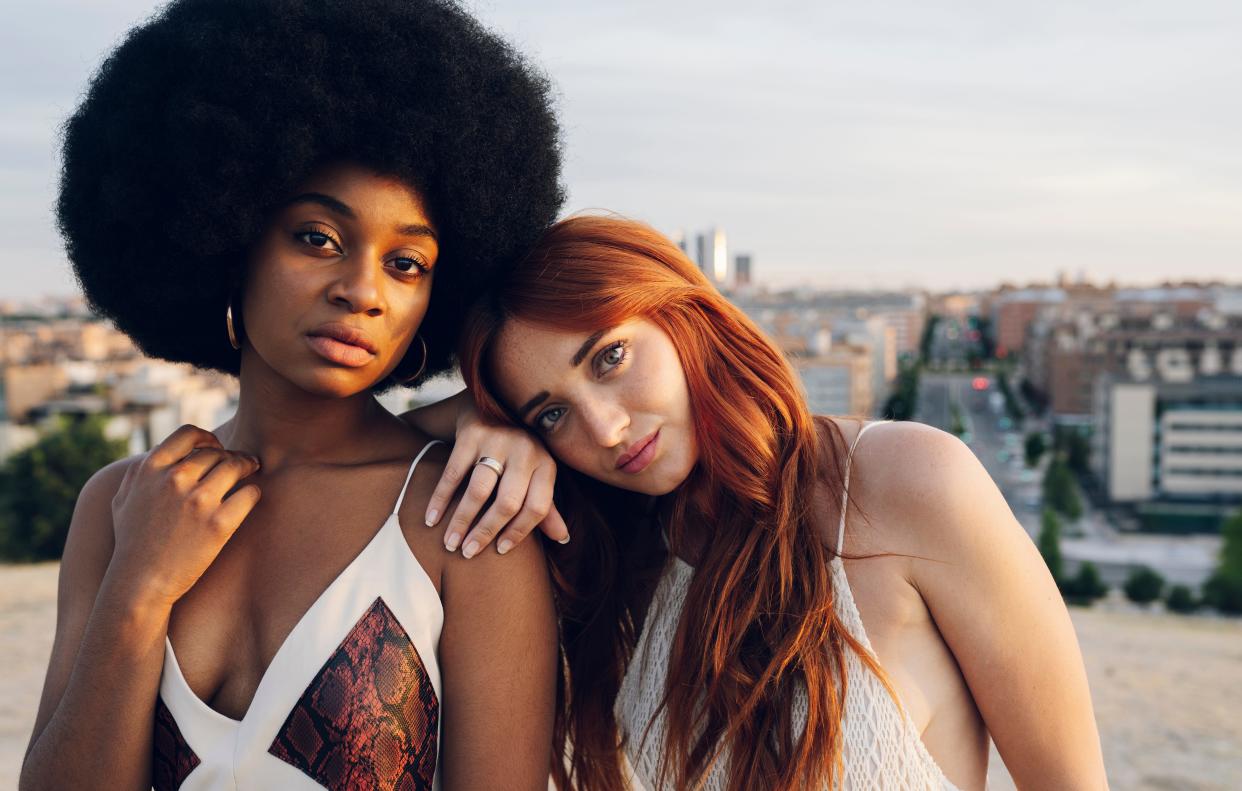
<point x="212" y="112"/>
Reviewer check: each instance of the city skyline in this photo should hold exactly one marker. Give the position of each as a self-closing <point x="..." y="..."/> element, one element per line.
<point x="843" y="147"/>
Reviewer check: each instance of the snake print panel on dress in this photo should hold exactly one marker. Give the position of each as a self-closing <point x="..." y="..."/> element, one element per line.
<point x="172" y="757"/>
<point x="350" y="700"/>
<point x="370" y="718"/>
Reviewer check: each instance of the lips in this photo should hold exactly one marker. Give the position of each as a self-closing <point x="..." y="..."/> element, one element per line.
<point x="640" y="454"/>
<point x="342" y="344"/>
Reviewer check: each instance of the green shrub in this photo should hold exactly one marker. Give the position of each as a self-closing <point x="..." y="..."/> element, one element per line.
<point x="39" y="486"/>
<point x="1223" y="590"/>
<point x="1181" y="600"/>
<point x="1034" y="447"/>
<point x="1144" y="585"/>
<point x="1086" y="586"/>
<point x="1060" y="491"/>
<point x="1050" y="544"/>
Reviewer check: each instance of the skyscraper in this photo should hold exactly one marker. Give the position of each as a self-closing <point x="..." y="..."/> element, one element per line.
<point x="719" y="260"/>
<point x="741" y="270"/>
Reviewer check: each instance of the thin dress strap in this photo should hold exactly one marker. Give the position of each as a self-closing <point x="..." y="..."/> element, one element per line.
<point x="845" y="489"/>
<point x="410" y="474"/>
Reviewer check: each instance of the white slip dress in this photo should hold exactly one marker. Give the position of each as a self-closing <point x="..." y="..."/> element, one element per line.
<point x="351" y="699"/>
<point x="881" y="744"/>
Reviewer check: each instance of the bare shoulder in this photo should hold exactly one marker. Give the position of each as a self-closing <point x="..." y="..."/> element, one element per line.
<point x="923" y="481"/>
<point x="426" y="542"/>
<point x="88" y="546"/>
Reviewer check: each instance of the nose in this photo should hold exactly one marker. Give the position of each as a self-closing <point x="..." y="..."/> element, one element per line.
<point x="358" y="286"/>
<point x="605" y="421"/>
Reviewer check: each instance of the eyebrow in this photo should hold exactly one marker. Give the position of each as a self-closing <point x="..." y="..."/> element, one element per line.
<point x="586" y="347"/>
<point x="329" y="202"/>
<point x="539" y="398"/>
<point x="579" y="356"/>
<point x="418" y="229"/>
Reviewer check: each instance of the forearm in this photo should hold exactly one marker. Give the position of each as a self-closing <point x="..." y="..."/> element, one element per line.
<point x="438" y="420"/>
<point x="103" y="725"/>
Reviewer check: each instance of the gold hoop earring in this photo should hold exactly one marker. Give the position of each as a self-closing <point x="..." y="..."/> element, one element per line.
<point x="421" y="367"/>
<point x="228" y="323"/>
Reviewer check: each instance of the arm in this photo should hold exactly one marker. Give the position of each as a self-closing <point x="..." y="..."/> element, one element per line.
<point x="523" y="494"/>
<point x="142" y="532"/>
<point x="1000" y="613"/>
<point x="98" y="699"/>
<point x="498" y="713"/>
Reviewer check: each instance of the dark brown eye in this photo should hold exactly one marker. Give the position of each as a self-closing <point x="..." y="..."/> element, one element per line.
<point x="408" y="264"/>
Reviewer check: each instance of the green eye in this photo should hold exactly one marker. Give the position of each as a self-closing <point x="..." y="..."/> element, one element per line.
<point x="611" y="357"/>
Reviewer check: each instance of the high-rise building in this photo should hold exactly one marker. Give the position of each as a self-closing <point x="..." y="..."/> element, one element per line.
<point x="741" y="270"/>
<point x="719" y="260"/>
<point x="712" y="255"/>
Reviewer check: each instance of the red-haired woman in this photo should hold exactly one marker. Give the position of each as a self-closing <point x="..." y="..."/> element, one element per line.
<point x="727" y="621"/>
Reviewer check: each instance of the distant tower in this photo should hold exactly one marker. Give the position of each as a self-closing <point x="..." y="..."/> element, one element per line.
<point x="700" y="251"/>
<point x="719" y="261"/>
<point x="741" y="270"/>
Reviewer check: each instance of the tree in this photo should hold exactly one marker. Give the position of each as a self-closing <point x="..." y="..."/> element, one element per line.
<point x="1075" y="447"/>
<point x="1086" y="586"/>
<point x="929" y="333"/>
<point x="1181" y="600"/>
<point x="905" y="398"/>
<point x="1035" y="447"/>
<point x="1050" y="544"/>
<point x="958" y="425"/>
<point x="39" y="486"/>
<point x="1144" y="585"/>
<point x="1060" y="491"/>
<point x="1223" y="590"/>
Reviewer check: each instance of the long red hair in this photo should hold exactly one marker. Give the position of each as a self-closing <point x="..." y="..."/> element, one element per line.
<point x="758" y="622"/>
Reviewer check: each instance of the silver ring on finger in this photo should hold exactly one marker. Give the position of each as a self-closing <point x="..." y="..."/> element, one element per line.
<point x="494" y="465"/>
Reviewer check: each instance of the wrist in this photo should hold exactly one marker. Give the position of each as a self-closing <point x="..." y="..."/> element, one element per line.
<point x="135" y="598"/>
<point x="463" y="410"/>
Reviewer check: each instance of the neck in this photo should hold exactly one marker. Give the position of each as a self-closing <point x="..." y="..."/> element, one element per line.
<point x="284" y="425"/>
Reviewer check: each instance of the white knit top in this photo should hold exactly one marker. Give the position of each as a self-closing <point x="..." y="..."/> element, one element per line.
<point x="882" y="748"/>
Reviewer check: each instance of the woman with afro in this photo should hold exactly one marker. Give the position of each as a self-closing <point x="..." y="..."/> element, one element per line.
<point x="305" y="194"/>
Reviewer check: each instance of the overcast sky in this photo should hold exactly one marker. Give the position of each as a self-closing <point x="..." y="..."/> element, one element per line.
<point x="921" y="142"/>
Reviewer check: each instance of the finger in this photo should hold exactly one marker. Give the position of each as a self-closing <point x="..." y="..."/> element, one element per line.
<point x="455" y="471"/>
<point x="223" y="477"/>
<point x="234" y="510"/>
<point x="535" y="509"/>
<point x="554" y="527"/>
<point x="510" y="498"/>
<point x="482" y="483"/>
<point x="179" y="443"/>
<point x="193" y="468"/>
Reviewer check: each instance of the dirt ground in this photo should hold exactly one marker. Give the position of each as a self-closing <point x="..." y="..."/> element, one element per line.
<point x="1167" y="689"/>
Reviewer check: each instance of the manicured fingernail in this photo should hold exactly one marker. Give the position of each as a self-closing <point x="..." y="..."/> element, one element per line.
<point x="452" y="542"/>
<point x="504" y="546"/>
<point x="564" y="540"/>
<point x="470" y="549"/>
<point x="432" y="516"/>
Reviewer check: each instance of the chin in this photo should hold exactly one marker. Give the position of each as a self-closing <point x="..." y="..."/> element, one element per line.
<point x="657" y="484"/>
<point x="335" y="382"/>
